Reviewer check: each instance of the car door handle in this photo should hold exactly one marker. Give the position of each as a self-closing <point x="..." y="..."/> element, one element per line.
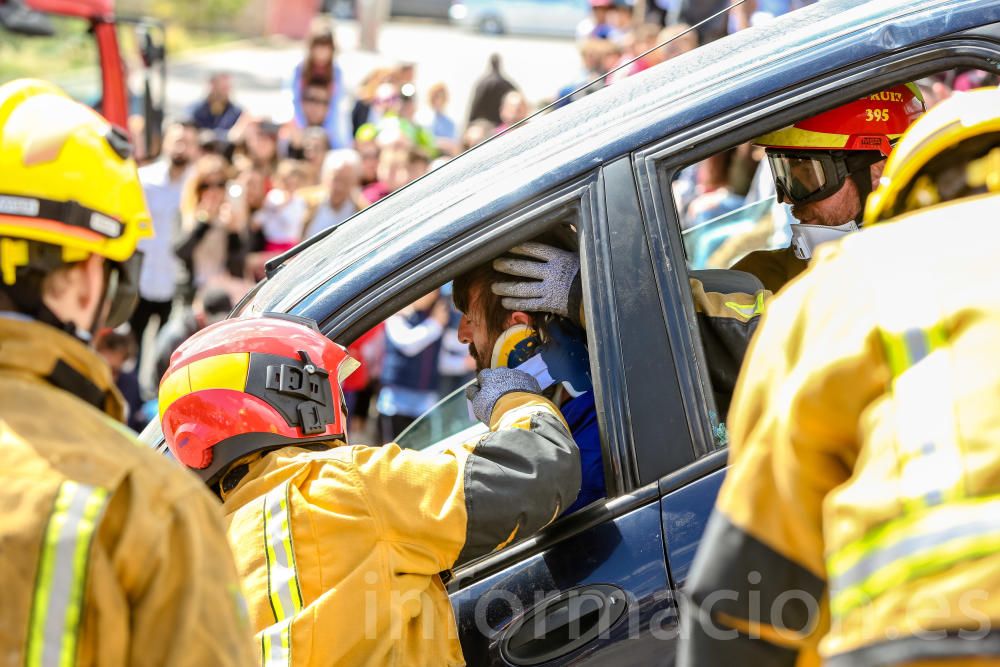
<point x="562" y="624"/>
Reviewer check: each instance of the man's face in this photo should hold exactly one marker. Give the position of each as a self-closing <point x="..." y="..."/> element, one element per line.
<point x="344" y="179"/>
<point x="473" y="330"/>
<point x="839" y="208"/>
<point x="221" y="86"/>
<point x="178" y="144"/>
<point x="315" y="102"/>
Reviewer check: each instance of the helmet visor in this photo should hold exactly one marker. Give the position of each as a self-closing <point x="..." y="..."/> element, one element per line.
<point x="805" y="176"/>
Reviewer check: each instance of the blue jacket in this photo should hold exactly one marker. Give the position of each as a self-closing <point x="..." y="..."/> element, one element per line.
<point x="419" y="372"/>
<point x="581" y="416"/>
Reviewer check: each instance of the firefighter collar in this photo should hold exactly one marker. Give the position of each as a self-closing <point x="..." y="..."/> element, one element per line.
<point x="55" y="357"/>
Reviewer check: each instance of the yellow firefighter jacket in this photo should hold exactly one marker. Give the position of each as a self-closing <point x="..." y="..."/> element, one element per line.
<point x="860" y="520"/>
<point x="109" y="555"/>
<point x="340" y="549"/>
<point x="774" y="268"/>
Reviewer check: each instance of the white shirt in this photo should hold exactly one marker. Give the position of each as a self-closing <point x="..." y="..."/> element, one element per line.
<point x="281" y="217"/>
<point x="158" y="278"/>
<point x="327" y="216"/>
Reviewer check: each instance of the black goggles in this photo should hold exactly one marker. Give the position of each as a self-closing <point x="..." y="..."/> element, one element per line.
<point x="801" y="177"/>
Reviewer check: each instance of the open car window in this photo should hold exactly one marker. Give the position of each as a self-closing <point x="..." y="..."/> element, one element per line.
<point x="448" y="423"/>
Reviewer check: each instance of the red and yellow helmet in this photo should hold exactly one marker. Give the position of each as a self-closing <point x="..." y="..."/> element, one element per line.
<point x="872" y="123"/>
<point x="248" y="385"/>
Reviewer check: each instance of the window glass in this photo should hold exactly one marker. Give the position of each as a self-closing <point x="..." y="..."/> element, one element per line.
<point x="71" y="45"/>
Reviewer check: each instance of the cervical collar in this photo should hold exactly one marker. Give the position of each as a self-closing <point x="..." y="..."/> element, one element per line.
<point x="806" y="238"/>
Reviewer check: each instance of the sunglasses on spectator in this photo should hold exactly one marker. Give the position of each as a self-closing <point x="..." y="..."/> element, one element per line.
<point x="211" y="185"/>
<point x="312" y="99"/>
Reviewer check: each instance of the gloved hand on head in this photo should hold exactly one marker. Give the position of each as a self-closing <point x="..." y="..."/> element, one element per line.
<point x="492" y="383"/>
<point x="550" y="281"/>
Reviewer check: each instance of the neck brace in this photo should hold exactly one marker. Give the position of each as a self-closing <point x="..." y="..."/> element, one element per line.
<point x="806" y="238"/>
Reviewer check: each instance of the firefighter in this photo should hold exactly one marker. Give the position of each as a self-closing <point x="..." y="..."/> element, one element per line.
<point x="859" y="523"/>
<point x="108" y="554"/>
<point x="339" y="547"/>
<point x="825" y="167"/>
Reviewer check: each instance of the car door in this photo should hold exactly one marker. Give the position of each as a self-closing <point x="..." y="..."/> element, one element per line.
<point x="593" y="587"/>
<point x="689" y="493"/>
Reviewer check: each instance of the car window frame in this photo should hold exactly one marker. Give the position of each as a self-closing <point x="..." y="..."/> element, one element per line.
<point x="657" y="164"/>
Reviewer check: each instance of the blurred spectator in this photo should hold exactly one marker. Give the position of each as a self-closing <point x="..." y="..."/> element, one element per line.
<point x="256" y="142"/>
<point x="213" y="240"/>
<point x="513" y="110"/>
<point x="410" y="367"/>
<point x="315" y="146"/>
<point x="488" y="93"/>
<point x="283" y="213"/>
<point x="368" y="351"/>
<point x="676" y="41"/>
<point x="319" y="70"/>
<point x="396" y="109"/>
<point x="644" y="38"/>
<point x="315" y="105"/>
<point x="361" y="113"/>
<point x="341" y="192"/>
<point x="162" y="183"/>
<point x="210" y="305"/>
<point x="693" y="12"/>
<point x="476" y="133"/>
<point x="599" y="25"/>
<point x="369" y="153"/>
<point x="592" y="55"/>
<point x="217" y="111"/>
<point x="713" y="194"/>
<point x="396" y="168"/>
<point x="434" y="118"/>
<point x="117" y="349"/>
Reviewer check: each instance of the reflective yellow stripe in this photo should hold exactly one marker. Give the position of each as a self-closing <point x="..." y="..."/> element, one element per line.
<point x="226" y="371"/>
<point x="930" y="464"/>
<point x="938" y="526"/>
<point x="276" y="645"/>
<point x="56" y="609"/>
<point x="283" y="587"/>
<point x="748" y="310"/>
<point x="912" y="546"/>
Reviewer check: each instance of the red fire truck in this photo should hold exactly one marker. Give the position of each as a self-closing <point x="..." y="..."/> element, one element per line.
<point x="113" y="63"/>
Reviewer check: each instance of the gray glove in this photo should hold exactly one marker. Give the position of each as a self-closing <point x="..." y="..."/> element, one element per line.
<point x="552" y="282"/>
<point x="493" y="383"/>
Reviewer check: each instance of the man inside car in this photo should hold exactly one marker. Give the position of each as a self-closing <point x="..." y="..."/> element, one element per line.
<point x="537" y="287"/>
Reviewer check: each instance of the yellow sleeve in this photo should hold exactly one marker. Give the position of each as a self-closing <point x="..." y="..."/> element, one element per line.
<point x="453" y="505"/>
<point x="164" y="589"/>
<point x="813" y="367"/>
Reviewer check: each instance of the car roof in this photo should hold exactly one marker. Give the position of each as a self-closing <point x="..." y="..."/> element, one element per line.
<point x="555" y="148"/>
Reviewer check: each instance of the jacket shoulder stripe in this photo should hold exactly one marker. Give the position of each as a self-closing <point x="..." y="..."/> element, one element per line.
<point x="59" y="586"/>
<point x="284" y="590"/>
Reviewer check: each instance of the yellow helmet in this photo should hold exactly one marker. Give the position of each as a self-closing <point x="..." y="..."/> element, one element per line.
<point x="67" y="177"/>
<point x="69" y="188"/>
<point x="953" y="151"/>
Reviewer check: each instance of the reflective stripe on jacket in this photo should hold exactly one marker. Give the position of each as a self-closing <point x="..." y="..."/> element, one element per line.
<point x="859" y="523"/>
<point x="110" y="555"/>
<point x="340" y="549"/>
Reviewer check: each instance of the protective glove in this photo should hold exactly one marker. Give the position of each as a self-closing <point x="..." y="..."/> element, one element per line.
<point x="493" y="383"/>
<point x="552" y="281"/>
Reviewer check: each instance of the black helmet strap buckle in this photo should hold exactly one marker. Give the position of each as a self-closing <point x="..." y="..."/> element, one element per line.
<point x="301" y="392"/>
